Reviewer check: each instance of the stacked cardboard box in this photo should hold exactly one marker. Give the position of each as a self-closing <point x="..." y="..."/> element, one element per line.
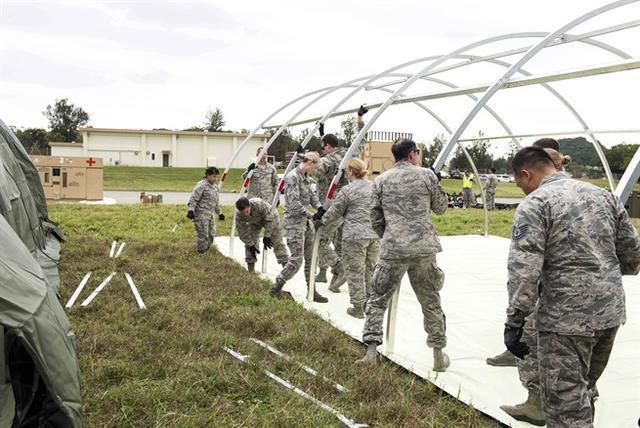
<point x="70" y="177"/>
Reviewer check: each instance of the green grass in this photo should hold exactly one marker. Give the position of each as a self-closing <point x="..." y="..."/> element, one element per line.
<point x="150" y="179"/>
<point x="183" y="179"/>
<point x="165" y="366"/>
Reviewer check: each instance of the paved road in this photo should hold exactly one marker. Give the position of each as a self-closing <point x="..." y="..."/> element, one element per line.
<point x="181" y="198"/>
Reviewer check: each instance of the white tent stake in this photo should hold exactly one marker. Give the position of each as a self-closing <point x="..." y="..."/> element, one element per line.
<point x="285" y="384"/>
<point x="307" y="369"/>
<point x="135" y="291"/>
<point x="113" y="249"/>
<point x="97" y="290"/>
<point x="120" y="249"/>
<point x="76" y="293"/>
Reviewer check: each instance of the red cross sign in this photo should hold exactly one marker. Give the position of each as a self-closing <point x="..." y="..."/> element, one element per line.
<point x="90" y="161"/>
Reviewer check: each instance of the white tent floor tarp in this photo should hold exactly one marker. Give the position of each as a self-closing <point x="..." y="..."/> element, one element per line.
<point x="474" y="299"/>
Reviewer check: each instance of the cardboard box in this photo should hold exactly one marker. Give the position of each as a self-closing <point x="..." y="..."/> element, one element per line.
<point x="70" y="177"/>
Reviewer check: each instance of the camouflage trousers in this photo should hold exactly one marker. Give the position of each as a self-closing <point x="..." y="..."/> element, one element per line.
<point x="279" y="249"/>
<point x="205" y="231"/>
<point x="426" y="279"/>
<point x="468" y="198"/>
<point x="528" y="369"/>
<point x="570" y="366"/>
<point x="358" y="259"/>
<point x="327" y="256"/>
<point x="491" y="200"/>
<point x="300" y="243"/>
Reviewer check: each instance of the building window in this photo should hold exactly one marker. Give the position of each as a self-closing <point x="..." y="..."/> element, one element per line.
<point x="153" y="156"/>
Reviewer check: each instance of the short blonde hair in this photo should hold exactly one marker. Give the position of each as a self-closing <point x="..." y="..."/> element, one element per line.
<point x="559" y="160"/>
<point x="312" y="157"/>
<point x="358" y="168"/>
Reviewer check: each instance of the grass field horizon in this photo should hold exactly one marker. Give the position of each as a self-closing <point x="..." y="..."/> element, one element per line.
<point x="153" y="179"/>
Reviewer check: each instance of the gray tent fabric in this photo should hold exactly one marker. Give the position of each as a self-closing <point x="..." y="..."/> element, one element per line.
<point x="39" y="345"/>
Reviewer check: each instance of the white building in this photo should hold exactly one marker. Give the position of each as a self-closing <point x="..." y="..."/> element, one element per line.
<point x="141" y="147"/>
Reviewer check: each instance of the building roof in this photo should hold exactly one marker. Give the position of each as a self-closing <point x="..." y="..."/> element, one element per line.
<point x="169" y="132"/>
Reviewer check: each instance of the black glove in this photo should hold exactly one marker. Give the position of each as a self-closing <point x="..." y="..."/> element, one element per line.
<point x="267" y="242"/>
<point x="221" y="217"/>
<point x="512" y="336"/>
<point x="254" y="250"/>
<point x="318" y="215"/>
<point x="190" y="215"/>
<point x="436" y="173"/>
<point x="251" y="167"/>
<point x="321" y="129"/>
<point x="362" y="110"/>
<point x="300" y="149"/>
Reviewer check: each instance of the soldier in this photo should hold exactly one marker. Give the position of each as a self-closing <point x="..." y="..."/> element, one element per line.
<point x="333" y="155"/>
<point x="264" y="181"/>
<point x="297" y="223"/>
<point x="403" y="198"/>
<point x="490" y="189"/>
<point x="468" y="198"/>
<point x="205" y="199"/>
<point x="251" y="217"/>
<point x="571" y="244"/>
<point x="360" y="244"/>
<point x="531" y="409"/>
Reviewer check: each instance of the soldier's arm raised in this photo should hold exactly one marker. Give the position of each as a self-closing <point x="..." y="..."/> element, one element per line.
<point x="526" y="257"/>
<point x="196" y="195"/>
<point x="377" y="214"/>
<point x="439" y="201"/>
<point x="627" y="243"/>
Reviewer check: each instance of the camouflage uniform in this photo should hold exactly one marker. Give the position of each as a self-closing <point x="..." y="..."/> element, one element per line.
<point x="297" y="224"/>
<point x="264" y="182"/>
<point x="490" y="191"/>
<point x="403" y="197"/>
<point x="249" y="228"/>
<point x="324" y="175"/>
<point x="571" y="244"/>
<point x="360" y="244"/>
<point x="204" y="199"/>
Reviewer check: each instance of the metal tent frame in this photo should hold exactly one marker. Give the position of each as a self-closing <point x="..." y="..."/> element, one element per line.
<point x="436" y="65"/>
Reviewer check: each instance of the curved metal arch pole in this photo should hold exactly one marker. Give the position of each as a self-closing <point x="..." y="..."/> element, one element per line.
<point x="629" y="178"/>
<point x="236" y="153"/>
<point x="505" y="77"/>
<point x="274" y="137"/>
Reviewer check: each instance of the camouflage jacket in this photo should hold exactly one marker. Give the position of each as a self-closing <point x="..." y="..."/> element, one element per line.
<point x="327" y="169"/>
<point x="492" y="182"/>
<point x="353" y="204"/>
<point x="264" y="182"/>
<point x="298" y="196"/>
<point x="205" y="198"/>
<point x="403" y="197"/>
<point x="571" y="243"/>
<point x="249" y="226"/>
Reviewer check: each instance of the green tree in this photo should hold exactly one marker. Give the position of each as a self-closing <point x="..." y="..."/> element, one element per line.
<point x="64" y="120"/>
<point x="283" y="144"/>
<point x="581" y="150"/>
<point x="349" y="129"/>
<point x="313" y="144"/>
<point x="215" y="120"/>
<point x="479" y="152"/>
<point x="620" y="155"/>
<point x="430" y="152"/>
<point x="34" y="140"/>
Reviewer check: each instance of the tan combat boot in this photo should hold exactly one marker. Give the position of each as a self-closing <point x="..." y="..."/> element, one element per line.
<point x="529" y="411"/>
<point x="322" y="275"/>
<point x="338" y="278"/>
<point x="506" y="359"/>
<point x="357" y="311"/>
<point x="440" y="360"/>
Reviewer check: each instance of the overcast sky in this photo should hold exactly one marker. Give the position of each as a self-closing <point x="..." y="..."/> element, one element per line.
<point x="162" y="64"/>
